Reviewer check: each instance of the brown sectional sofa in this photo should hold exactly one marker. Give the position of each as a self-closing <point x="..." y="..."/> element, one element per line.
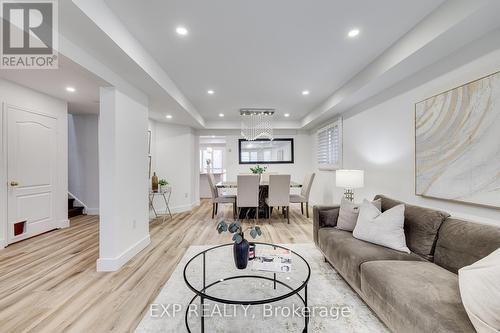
<point x="416" y="292"/>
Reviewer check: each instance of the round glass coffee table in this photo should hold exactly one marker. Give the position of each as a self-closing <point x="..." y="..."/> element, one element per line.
<point x="224" y="294"/>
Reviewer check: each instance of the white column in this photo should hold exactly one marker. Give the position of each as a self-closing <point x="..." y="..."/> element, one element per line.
<point x="123" y="179"/>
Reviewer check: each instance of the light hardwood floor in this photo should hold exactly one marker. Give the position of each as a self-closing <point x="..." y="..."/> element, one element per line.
<point x="49" y="283"/>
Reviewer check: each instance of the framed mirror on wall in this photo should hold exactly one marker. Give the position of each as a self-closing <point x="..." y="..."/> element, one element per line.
<point x="277" y="151"/>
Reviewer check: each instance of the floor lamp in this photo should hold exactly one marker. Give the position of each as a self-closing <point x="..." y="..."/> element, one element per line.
<point x="349" y="180"/>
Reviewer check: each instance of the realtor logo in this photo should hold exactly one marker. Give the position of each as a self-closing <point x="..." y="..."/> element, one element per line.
<point x="29" y="34"/>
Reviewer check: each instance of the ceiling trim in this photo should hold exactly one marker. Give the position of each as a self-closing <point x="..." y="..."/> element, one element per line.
<point x="107" y="21"/>
<point x="443" y="19"/>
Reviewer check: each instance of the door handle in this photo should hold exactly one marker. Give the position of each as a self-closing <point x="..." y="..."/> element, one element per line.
<point x="14" y="183"/>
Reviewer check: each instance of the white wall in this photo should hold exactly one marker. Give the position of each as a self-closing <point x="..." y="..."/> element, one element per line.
<point x="123" y="179"/>
<point x="175" y="158"/>
<point x="380" y="140"/>
<point x="25" y="98"/>
<point x="302" y="161"/>
<point x="83" y="161"/>
<point x="302" y="165"/>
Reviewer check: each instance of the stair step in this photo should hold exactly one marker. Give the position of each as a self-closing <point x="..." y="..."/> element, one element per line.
<point x="71" y="203"/>
<point x="75" y="211"/>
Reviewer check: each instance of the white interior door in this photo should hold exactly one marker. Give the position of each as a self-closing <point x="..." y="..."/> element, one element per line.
<point x="31" y="173"/>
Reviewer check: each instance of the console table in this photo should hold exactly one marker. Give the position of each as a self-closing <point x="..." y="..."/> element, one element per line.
<point x="166" y="193"/>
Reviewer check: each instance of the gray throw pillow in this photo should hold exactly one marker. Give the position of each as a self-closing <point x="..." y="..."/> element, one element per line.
<point x="348" y="214"/>
<point x="329" y="217"/>
<point x="379" y="228"/>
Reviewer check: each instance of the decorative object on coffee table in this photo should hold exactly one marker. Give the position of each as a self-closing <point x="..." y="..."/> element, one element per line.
<point x="241" y="245"/>
<point x="349" y="180"/>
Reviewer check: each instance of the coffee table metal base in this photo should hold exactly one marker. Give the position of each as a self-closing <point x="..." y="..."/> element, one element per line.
<point x="274" y="280"/>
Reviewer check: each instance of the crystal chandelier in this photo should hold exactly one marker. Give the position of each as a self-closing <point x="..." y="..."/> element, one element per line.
<point x="257" y="124"/>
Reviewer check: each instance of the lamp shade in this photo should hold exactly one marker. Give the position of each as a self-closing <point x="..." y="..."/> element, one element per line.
<point x="350" y="178"/>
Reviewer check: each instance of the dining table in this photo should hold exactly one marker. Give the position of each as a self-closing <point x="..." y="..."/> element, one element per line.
<point x="234" y="184"/>
<point x="246" y="213"/>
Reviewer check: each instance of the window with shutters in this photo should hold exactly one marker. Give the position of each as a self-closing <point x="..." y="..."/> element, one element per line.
<point x="329" y="146"/>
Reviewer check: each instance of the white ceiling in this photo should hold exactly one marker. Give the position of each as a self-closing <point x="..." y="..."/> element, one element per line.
<point x="263" y="53"/>
<point x="53" y="82"/>
<point x="95" y="49"/>
<point x="255" y="54"/>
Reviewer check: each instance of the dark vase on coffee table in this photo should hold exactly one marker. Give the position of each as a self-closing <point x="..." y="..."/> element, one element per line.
<point x="240" y="253"/>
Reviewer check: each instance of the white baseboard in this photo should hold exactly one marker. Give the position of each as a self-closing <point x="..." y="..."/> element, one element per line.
<point x="114" y="264"/>
<point x="184" y="208"/>
<point x="92" y="211"/>
<point x="64" y="224"/>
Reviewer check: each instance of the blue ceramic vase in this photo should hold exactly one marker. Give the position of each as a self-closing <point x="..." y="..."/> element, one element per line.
<point x="240" y="252"/>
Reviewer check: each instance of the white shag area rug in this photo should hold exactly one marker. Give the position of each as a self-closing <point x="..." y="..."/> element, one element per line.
<point x="337" y="307"/>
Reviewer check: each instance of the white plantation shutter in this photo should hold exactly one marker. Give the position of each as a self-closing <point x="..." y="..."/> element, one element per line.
<point x="329" y="146"/>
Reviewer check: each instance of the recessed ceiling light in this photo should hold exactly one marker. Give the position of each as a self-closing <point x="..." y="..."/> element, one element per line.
<point x="287" y="115"/>
<point x="181" y="31"/>
<point x="210" y="92"/>
<point x="221" y="115"/>
<point x="168" y="116"/>
<point x="305" y="92"/>
<point x="70" y="89"/>
<point x="353" y="33"/>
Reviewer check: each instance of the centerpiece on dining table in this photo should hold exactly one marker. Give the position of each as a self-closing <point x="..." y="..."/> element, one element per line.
<point x="258" y="170"/>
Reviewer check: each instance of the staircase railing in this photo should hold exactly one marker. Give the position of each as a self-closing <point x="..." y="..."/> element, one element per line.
<point x="82" y="204"/>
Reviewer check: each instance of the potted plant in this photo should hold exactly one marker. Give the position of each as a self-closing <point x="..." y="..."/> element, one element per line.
<point x="241" y="245"/>
<point x="163" y="185"/>
<point x="258" y="170"/>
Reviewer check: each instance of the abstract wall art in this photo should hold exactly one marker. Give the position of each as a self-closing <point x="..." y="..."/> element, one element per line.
<point x="457" y="143"/>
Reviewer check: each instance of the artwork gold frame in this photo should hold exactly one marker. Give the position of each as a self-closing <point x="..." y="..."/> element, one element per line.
<point x="457" y="150"/>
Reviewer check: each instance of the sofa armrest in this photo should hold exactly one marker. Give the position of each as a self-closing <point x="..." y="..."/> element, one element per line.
<point x="324" y="216"/>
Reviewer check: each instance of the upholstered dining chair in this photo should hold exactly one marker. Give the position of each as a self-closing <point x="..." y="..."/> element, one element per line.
<point x="279" y="194"/>
<point x="247" y="193"/>
<point x="219" y="199"/>
<point x="265" y="176"/>
<point x="303" y="197"/>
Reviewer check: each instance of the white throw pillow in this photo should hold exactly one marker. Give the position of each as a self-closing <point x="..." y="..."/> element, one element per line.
<point x="348" y="214"/>
<point x="384" y="229"/>
<point x="480" y="291"/>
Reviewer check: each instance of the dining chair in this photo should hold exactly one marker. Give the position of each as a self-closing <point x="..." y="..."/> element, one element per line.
<point x="247" y="193"/>
<point x="279" y="194"/>
<point x="265" y="176"/>
<point x="219" y="199"/>
<point x="303" y="197"/>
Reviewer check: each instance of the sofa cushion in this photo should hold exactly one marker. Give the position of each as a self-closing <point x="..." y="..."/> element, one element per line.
<point x="347" y="253"/>
<point x="461" y="243"/>
<point x="421" y="226"/>
<point x="414" y="296"/>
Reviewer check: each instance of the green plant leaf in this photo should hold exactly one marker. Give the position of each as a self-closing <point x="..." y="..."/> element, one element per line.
<point x="234" y="227"/>
<point x="253" y="233"/>
<point x="221" y="227"/>
<point x="257" y="229"/>
<point x="237" y="238"/>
